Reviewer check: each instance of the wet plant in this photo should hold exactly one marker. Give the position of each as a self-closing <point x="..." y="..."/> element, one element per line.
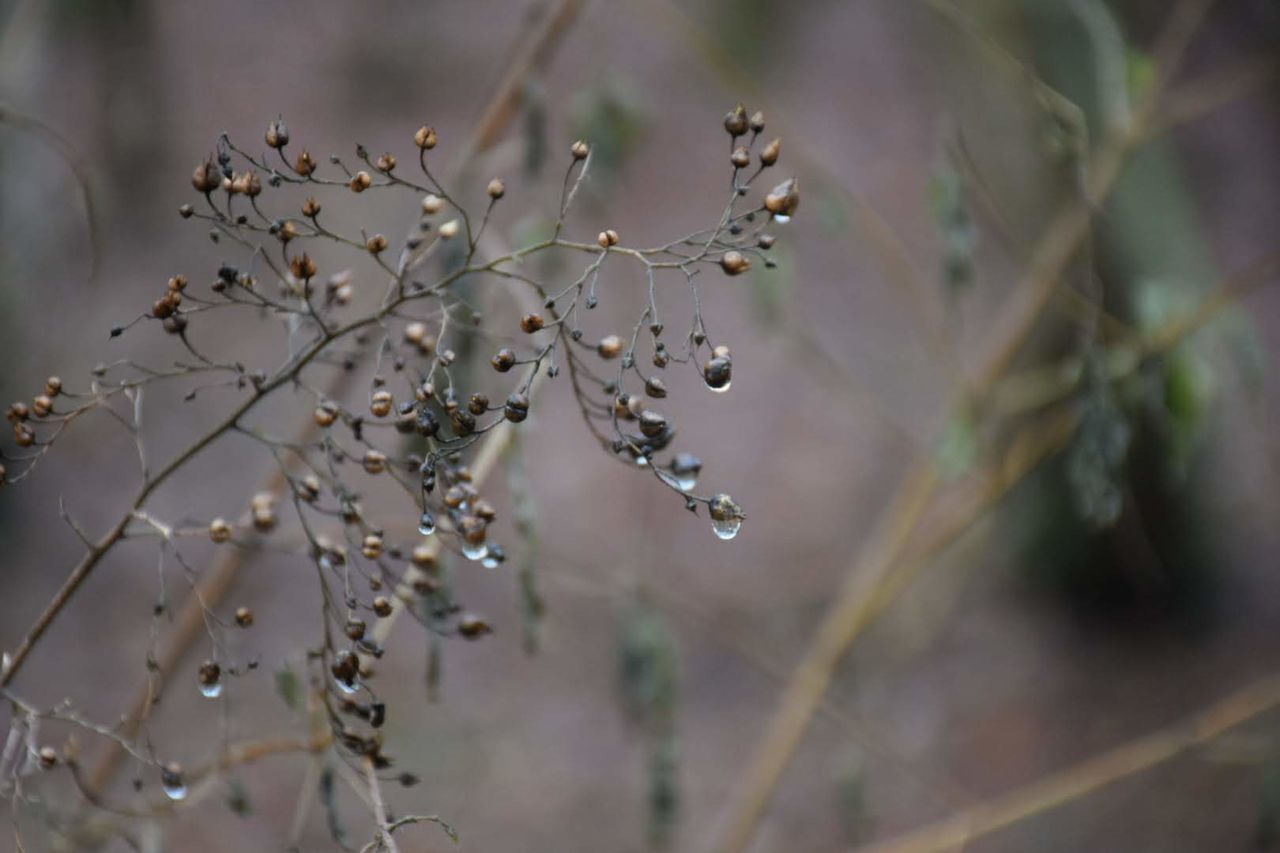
<point x="411" y="375"/>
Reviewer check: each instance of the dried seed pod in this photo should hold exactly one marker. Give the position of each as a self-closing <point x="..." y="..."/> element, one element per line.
<point x="496" y="189"/>
<point x="765" y="241"/>
<point x="652" y="424"/>
<point x="326" y="413"/>
<point x="385" y="163"/>
<point x="655" y="387"/>
<point x="516" y="408"/>
<point x="425" y="138"/>
<point x="206" y="178"/>
<point x="244" y="617"/>
<point x="531" y="323"/>
<point x="380" y="404"/>
<point x="579" y="150"/>
<point x="374" y="461"/>
<point x="377" y="244"/>
<point x="478" y="404"/>
<point x="48" y="757"/>
<point x="449" y="230"/>
<point x="769" y="154"/>
<point x="219" y="530"/>
<point x="18" y="412"/>
<point x="472" y="627"/>
<point x="277" y="134"/>
<point x="23" y="435"/>
<point x="415" y="332"/>
<point x="355" y="629"/>
<point x="42" y="405"/>
<point x="757" y="122"/>
<point x="610" y="346"/>
<point x="360" y="182"/>
<point x="734" y="262"/>
<point x="382" y="606"/>
<point x="503" y="360"/>
<point x="607" y="238"/>
<point x="303" y="267"/>
<point x="740" y="158"/>
<point x="305" y="165"/>
<point x="431" y="204"/>
<point x="718" y="373"/>
<point x="371" y="547"/>
<point x="783" y="200"/>
<point x="736" y="122"/>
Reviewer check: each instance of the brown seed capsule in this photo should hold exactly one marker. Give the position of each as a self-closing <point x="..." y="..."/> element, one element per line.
<point x="718" y="373"/>
<point x="209" y="673"/>
<point x="473" y="529"/>
<point x="722" y="508"/>
<point x="48" y="757"/>
<point x="309" y="488"/>
<point x="175" y="325"/>
<point x="206" y="178"/>
<point x="355" y="629"/>
<point x="375" y="461"/>
<point x="765" y="241"/>
<point x="42" y="406"/>
<point x="386" y="163"/>
<point x="345" y="667"/>
<point x="161" y="308"/>
<point x="516" y="408"/>
<point x="449" y="230"/>
<point x="23" y="435"/>
<point x="244" y="617"/>
<point x="579" y="150"/>
<point x="382" y="606"/>
<point x="18" y="411"/>
<point x="376" y="244"/>
<point x="484" y="510"/>
<point x="219" y="530"/>
<point x="311" y="207"/>
<point x="721" y="351"/>
<point x="660" y="358"/>
<point x="655" y="387"/>
<point x="380" y="403"/>
<point x="735" y="121"/>
<point x="472" y="627"/>
<point x="503" y="360"/>
<point x="740" y="158"/>
<point x="652" y="424"/>
<point x="371" y="547"/>
<point x="784" y="199"/>
<point x="277" y="134"/>
<point x="264" y="518"/>
<point x="287" y="231"/>
<point x="607" y="238"/>
<point x="734" y="262"/>
<point x="415" y="332"/>
<point x="53" y="386"/>
<point x="531" y="323"/>
<point x="769" y="154"/>
<point x="305" y="165"/>
<point x="360" y="181"/>
<point x="610" y="346"/>
<point x="496" y="189"/>
<point x="177" y="283"/>
<point x="757" y="121"/>
<point x="302" y="266"/>
<point x="425" y="138"/>
<point x="423" y="556"/>
<point x="251" y="184"/>
<point x="463" y="422"/>
<point x="431" y="204"/>
<point x="326" y="413"/>
<point x="478" y="404"/>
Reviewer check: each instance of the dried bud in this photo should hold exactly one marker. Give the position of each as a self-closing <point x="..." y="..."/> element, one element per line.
<point x="610" y="346"/>
<point x="371" y="547"/>
<point x="375" y="462"/>
<point x="244" y="617"/>
<point x="326" y="413"/>
<point x="23" y="435"/>
<point x="784" y="199"/>
<point x="209" y="673"/>
<point x="302" y="266"/>
<point x="655" y="387"/>
<point x="385" y="163"/>
<point x="355" y="629"/>
<point x="48" y="757"/>
<point x="305" y="165"/>
<point x="431" y="204"/>
<point x="607" y="238"/>
<point x="376" y="244"/>
<point x="735" y="121"/>
<point x="311" y="207"/>
<point x="219" y="530"/>
<point x="734" y="262"/>
<point x="516" y="408"/>
<point x="579" y="150"/>
<point x="42" y="406"/>
<point x="740" y="158"/>
<point x="472" y="627"/>
<point x="360" y="181"/>
<point x="425" y="138"/>
<point x="415" y="332"/>
<point x="177" y="283"/>
<point x="277" y="134"/>
<point x="382" y="606"/>
<point x="531" y="323"/>
<point x="380" y="404"/>
<point x="769" y="154"/>
<point x="478" y="404"/>
<point x="504" y="360"/>
<point x="175" y="325"/>
<point x="718" y="373"/>
<point x="757" y="121"/>
<point x="423" y="556"/>
<point x="765" y="241"/>
<point x="206" y="178"/>
<point x="18" y="412"/>
<point x="449" y="230"/>
<point x="652" y="424"/>
<point x="496" y="189"/>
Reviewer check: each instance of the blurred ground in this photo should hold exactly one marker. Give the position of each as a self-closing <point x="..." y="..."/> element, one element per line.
<point x="969" y="687"/>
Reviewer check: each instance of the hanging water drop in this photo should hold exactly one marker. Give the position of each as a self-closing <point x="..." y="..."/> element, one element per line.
<point x="718" y="373"/>
<point x="427" y="524"/>
<point x="210" y="678"/>
<point x="474" y="550"/>
<point x="726" y="516"/>
<point x="173" y="782"/>
<point x="346" y="671"/>
<point x="494" y="557"/>
<point x="781" y="219"/>
<point x="685" y="468"/>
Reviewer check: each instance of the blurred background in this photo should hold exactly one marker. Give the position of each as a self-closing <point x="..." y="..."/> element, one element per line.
<point x="1128" y="581"/>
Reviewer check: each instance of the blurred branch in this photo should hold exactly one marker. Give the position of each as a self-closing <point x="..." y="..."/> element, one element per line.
<point x="875" y="577"/>
<point x="1092" y="774"/>
<point x="60" y="146"/>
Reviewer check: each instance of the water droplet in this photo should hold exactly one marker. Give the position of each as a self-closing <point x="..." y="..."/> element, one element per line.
<point x="427" y="524"/>
<point x="685" y="468"/>
<point x="642" y="460"/>
<point x="326" y="562"/>
<point x="494" y="557"/>
<point x="474" y="551"/>
<point x="213" y="691"/>
<point x="781" y="218"/>
<point x="489" y="562"/>
<point x="726" y="528"/>
<point x="173" y="782"/>
<point x="723" y="388"/>
<point x="175" y="792"/>
<point x="352" y="686"/>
